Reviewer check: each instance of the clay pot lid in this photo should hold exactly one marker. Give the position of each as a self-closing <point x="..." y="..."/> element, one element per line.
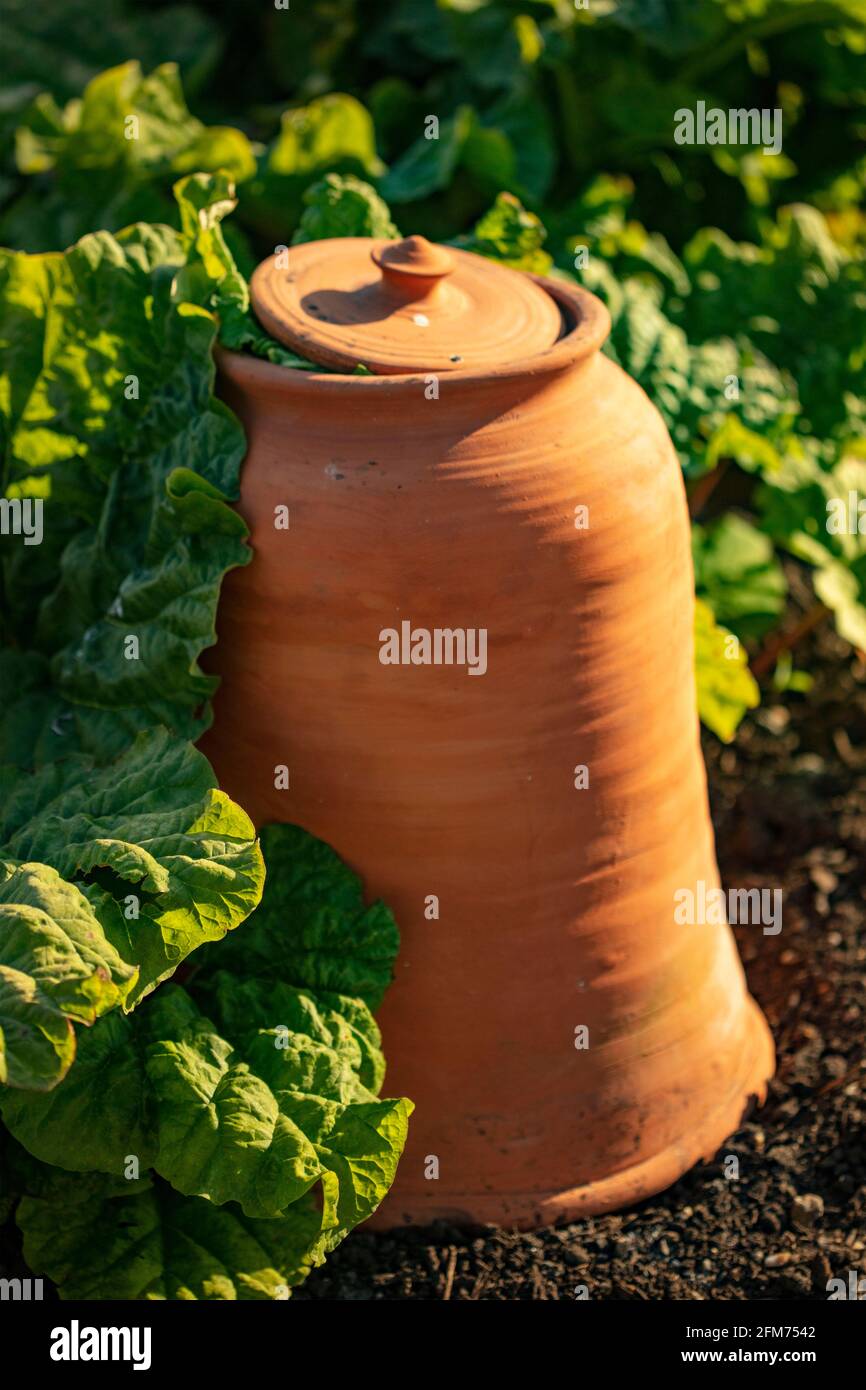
<point x="401" y="306"/>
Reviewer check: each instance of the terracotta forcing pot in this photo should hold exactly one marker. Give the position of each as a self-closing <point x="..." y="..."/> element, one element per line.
<point x="472" y="650"/>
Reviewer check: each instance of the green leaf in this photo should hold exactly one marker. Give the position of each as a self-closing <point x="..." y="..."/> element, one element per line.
<point x="429" y="164"/>
<point x="250" y="1131"/>
<point x="107" y="403"/>
<point x="511" y="235"/>
<point x="523" y="119"/>
<point x="340" y="205"/>
<point x="465" y="141"/>
<point x="489" y="158"/>
<point x="726" y="686"/>
<point x="315" y="138"/>
<point x="106" y="399"/>
<point x="817" y="515"/>
<point x="244" y="1007"/>
<point x="800" y="299"/>
<point x="112" y="156"/>
<point x="37" y="1040"/>
<point x="844" y="592"/>
<point x="719" y="398"/>
<point x="57" y="965"/>
<point x="738" y="575"/>
<point x="676" y="30"/>
<point x="210" y="275"/>
<point x="155" y="823"/>
<point x="155" y="1244"/>
<point x="733" y="440"/>
<point x="102" y="1113"/>
<point x="332" y="135"/>
<point x="396" y="107"/>
<point x="670" y="28"/>
<point x="258" y="1125"/>
<point x="108" y="417"/>
<point x="312" y="927"/>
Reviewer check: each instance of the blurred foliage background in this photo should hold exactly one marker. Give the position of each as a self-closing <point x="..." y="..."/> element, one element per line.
<point x="735" y="279"/>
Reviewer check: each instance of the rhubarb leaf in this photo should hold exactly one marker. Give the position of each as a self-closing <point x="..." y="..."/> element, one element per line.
<point x="155" y="1244"/>
<point x="738" y="575"/>
<point x="171" y="862"/>
<point x="108" y="159"/>
<point x="56" y="965"/>
<point x="99" y="1116"/>
<point x="312" y="927"/>
<point x="109" y="420"/>
<point x="259" y="1124"/>
<point x="342" y="205"/>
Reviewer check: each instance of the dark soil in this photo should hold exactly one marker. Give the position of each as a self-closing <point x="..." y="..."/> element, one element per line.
<point x="789" y="804"/>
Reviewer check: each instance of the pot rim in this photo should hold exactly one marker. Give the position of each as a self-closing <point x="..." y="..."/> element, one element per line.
<point x="590" y="327"/>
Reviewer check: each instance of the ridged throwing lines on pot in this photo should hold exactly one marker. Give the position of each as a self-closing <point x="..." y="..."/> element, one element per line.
<point x="570" y="1047"/>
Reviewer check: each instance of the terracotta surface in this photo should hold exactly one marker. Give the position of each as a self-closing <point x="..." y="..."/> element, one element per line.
<point x="556" y="905"/>
<point x="401" y="307"/>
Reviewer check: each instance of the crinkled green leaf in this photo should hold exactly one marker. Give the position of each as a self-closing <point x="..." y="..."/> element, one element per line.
<point x="210" y="275"/>
<point x="106" y="397"/>
<point x="312" y="927"/>
<point x="108" y="418"/>
<point x="340" y="205"/>
<point x="57" y="965"/>
<point x="262" y="1126"/>
<point x="37" y="1040"/>
<point x="718" y="399"/>
<point x="799" y="297"/>
<point x="101" y="1115"/>
<point x="154" y="1244"/>
<point x="245" y="1007"/>
<point x="153" y="822"/>
<point x="259" y="1124"/>
<point x="597" y="221"/>
<point x="511" y="235"/>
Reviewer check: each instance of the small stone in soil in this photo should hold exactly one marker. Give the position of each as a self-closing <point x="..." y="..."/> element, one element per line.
<point x="806" y="1210"/>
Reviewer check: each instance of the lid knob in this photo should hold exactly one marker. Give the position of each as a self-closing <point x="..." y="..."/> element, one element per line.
<point x="415" y="307"/>
<point x="412" y="267"/>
